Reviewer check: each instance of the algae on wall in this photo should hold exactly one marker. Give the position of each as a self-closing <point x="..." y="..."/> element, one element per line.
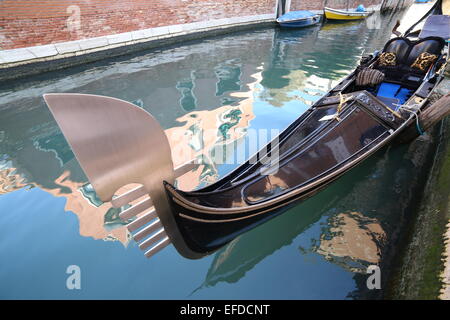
<point x="419" y="270"/>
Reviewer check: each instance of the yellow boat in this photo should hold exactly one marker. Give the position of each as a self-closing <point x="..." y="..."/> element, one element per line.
<point x="335" y="14"/>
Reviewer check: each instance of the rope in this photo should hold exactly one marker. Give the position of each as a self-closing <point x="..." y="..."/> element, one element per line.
<point x="415" y="113"/>
<point x="342" y="100"/>
<point x="419" y="129"/>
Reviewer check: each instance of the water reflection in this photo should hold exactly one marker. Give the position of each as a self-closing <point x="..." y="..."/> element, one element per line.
<point x="203" y="132"/>
<point x="350" y="224"/>
<point x="208" y="94"/>
<point x="10" y="180"/>
<point x="199" y="135"/>
<point x="353" y="241"/>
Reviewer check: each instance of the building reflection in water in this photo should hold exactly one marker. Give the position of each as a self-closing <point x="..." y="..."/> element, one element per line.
<point x="208" y="130"/>
<point x="352" y="241"/>
<point x="200" y="133"/>
<point x="10" y="179"/>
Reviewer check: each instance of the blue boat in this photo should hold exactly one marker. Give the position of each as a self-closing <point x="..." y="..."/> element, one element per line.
<point x="298" y="19"/>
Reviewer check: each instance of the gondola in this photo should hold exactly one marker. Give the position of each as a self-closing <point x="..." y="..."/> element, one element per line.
<point x="118" y="143"/>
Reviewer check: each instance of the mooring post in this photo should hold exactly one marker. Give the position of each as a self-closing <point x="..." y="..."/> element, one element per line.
<point x="428" y="118"/>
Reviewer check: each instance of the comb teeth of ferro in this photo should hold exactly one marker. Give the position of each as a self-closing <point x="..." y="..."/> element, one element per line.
<point x="147" y="230"/>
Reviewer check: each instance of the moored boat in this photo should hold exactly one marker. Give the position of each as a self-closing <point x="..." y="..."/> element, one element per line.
<point x="337" y="14"/>
<point x="298" y="19"/>
<point x="118" y="143"/>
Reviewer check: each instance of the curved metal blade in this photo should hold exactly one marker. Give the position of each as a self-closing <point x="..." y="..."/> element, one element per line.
<point x="118" y="143"/>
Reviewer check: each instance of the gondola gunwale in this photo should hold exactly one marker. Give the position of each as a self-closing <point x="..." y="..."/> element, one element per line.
<point x="297" y="150"/>
<point x="217" y="187"/>
<point x="318" y="133"/>
<point x="307" y="193"/>
<point x="210" y="210"/>
<point x="268" y="209"/>
<point x="228" y="177"/>
<point x="300" y="194"/>
<point x="314" y="136"/>
<point x="249" y="202"/>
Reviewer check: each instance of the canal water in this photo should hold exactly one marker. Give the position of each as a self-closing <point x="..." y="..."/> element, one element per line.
<point x="51" y="219"/>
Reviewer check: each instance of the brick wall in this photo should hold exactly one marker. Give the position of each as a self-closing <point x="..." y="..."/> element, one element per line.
<point x="25" y="23"/>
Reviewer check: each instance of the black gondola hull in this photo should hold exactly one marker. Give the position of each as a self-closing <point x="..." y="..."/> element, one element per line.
<point x="346" y="126"/>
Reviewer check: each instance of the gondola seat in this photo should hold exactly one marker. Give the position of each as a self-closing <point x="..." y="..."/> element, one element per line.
<point x="405" y="61"/>
<point x="404" y="64"/>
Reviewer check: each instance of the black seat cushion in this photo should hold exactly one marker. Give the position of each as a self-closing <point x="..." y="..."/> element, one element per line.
<point x="409" y="56"/>
<point x="391" y="59"/>
<point x="431" y="45"/>
<point x="400" y="47"/>
<point x="424" y="61"/>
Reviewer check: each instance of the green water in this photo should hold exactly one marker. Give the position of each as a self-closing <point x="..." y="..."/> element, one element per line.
<point x="51" y="219"/>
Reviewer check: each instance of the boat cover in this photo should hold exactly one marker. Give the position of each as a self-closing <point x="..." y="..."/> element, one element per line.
<point x="393" y="91"/>
<point x="296" y="15"/>
<point x="360" y="8"/>
<point x="436" y="26"/>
